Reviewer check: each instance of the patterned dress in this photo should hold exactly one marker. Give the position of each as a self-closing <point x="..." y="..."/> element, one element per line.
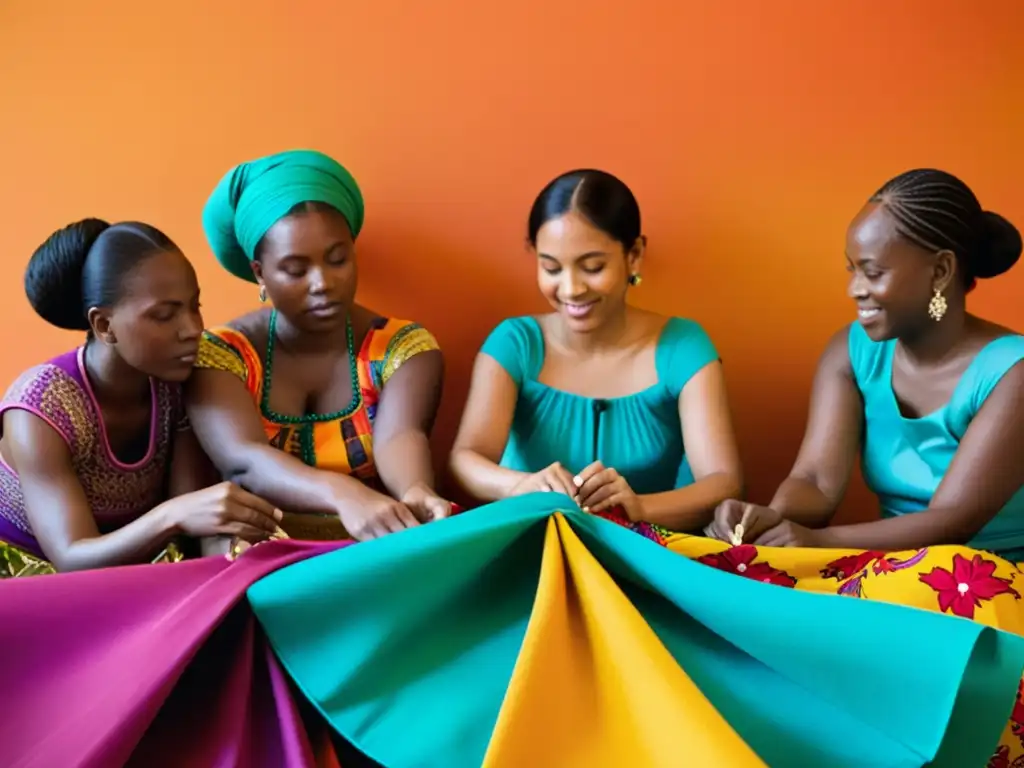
<point x="341" y="441"/>
<point x="118" y="493"/>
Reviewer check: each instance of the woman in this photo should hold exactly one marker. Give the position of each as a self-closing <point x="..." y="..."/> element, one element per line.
<point x="929" y="396"/>
<point x="319" y="405"/>
<point x="597" y="399"/>
<point x="498" y="636"/>
<point x="98" y="465"/>
<point x="926" y="393"/>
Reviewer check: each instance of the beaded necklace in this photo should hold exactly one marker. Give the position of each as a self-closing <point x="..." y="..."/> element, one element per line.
<point x="306" y="421"/>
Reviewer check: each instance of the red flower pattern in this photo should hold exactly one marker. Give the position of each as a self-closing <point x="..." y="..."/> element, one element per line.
<point x="970" y="582"/>
<point x="1001" y="759"/>
<point x="854" y="568"/>
<point x="740" y="560"/>
<point x="846" y="567"/>
<point x="1017" y="716"/>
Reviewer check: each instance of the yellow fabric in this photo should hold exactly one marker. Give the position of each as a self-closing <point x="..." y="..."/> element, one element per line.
<point x="954" y="580"/>
<point x="573" y="702"/>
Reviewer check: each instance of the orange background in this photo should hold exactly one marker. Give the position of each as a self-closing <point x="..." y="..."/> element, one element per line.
<point x="750" y="131"/>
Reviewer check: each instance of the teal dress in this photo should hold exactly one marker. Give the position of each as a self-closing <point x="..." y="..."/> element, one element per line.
<point x="639" y="434"/>
<point x="904" y="459"/>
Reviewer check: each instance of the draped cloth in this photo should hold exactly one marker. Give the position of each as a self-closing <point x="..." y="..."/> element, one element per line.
<point x="522" y="633"/>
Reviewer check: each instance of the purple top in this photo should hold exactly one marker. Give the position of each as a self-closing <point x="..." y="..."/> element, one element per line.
<point x="59" y="393"/>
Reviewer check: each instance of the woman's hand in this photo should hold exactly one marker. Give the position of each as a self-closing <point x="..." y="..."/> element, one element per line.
<point x="224" y="509"/>
<point x="789" y="534"/>
<point x="602" y="488"/>
<point x="366" y="514"/>
<point x="425" y="504"/>
<point x="737" y="522"/>
<point x="552" y="478"/>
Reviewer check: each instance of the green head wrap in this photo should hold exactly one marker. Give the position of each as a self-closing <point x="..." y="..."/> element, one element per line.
<point x="254" y="196"/>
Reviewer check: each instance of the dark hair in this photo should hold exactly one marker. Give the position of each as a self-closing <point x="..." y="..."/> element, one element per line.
<point x="84" y="265"/>
<point x="936" y="211"/>
<point x="602" y="199"/>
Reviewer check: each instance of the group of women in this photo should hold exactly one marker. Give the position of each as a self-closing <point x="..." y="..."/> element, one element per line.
<point x="160" y="440"/>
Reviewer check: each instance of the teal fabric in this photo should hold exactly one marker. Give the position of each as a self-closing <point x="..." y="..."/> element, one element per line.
<point x="640" y="435"/>
<point x="905" y="459"/>
<point x="406" y="644"/>
<point x="254" y="196"/>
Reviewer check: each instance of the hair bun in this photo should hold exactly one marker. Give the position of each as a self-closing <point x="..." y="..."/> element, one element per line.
<point x="1000" y="247"/>
<point x="53" y="278"/>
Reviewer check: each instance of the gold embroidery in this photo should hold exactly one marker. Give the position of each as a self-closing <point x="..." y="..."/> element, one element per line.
<point x="16" y="563"/>
<point x="406" y="344"/>
<point x="216" y="355"/>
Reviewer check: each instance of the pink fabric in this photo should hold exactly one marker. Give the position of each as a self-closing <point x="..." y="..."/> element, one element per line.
<point x="149" y="665"/>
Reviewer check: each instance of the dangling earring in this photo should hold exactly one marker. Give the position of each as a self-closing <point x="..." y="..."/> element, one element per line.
<point x="937" y="306"/>
<point x="635" y="280"/>
<point x="263" y="294"/>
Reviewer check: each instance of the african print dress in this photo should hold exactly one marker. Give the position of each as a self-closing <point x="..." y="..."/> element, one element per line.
<point x="341" y="441"/>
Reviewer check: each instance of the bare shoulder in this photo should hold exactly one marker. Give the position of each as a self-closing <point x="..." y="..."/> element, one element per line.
<point x="645" y="327"/>
<point x="254" y="326"/>
<point x="835" y="358"/>
<point x="981" y="331"/>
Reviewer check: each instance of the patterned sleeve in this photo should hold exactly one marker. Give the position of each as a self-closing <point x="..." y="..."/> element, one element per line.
<point x="407" y="341"/>
<point x="219" y="351"/>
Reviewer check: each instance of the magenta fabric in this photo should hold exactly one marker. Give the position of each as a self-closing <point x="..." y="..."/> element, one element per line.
<point x="149" y="665"/>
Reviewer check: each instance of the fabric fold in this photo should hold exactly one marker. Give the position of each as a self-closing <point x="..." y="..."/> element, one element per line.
<point x="590" y="664"/>
<point x="422" y="648"/>
<point x="149" y="665"/>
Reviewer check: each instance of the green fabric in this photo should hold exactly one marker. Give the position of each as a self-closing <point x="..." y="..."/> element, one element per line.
<point x="407" y="643"/>
<point x="253" y="196"/>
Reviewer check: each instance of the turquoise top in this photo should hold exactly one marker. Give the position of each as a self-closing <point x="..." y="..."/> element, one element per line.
<point x="639" y="435"/>
<point x="904" y="459"/>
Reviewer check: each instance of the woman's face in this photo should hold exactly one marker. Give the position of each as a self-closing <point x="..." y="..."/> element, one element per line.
<point x="892" y="279"/>
<point x="307" y="265"/>
<point x="156" y="323"/>
<point x="583" y="272"/>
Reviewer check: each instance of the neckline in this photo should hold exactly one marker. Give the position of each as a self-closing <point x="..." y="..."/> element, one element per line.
<point x="268" y="366"/>
<point x="101" y="425"/>
<point x="618" y="398"/>
<point x="891" y="357"/>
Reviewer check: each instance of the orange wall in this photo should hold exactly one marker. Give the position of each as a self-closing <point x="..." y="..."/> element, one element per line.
<point x="751" y="132"/>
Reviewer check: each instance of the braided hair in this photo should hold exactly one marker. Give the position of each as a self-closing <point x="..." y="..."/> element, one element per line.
<point x="936" y="211"/>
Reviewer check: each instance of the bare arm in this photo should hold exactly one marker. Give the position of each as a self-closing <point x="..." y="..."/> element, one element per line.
<point x="405" y="416"/>
<point x="191" y="468"/>
<point x="483" y="432"/>
<point x="818" y="480"/>
<point x="984" y="474"/>
<point x="228" y="428"/>
<point x="58" y="510"/>
<point x="712" y="453"/>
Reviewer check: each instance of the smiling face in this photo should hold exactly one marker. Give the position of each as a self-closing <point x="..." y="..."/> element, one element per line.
<point x="891" y="279"/>
<point x="583" y="272"/>
<point x="307" y="265"/>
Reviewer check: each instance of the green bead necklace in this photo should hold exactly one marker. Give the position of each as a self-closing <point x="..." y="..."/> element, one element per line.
<point x="309" y="418"/>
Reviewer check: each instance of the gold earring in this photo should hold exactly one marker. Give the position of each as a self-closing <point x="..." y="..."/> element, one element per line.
<point x="263" y="294"/>
<point x="937" y="306"/>
<point x="635" y="280"/>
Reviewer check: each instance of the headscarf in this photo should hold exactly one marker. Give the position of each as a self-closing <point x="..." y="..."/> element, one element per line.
<point x="254" y="196"/>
